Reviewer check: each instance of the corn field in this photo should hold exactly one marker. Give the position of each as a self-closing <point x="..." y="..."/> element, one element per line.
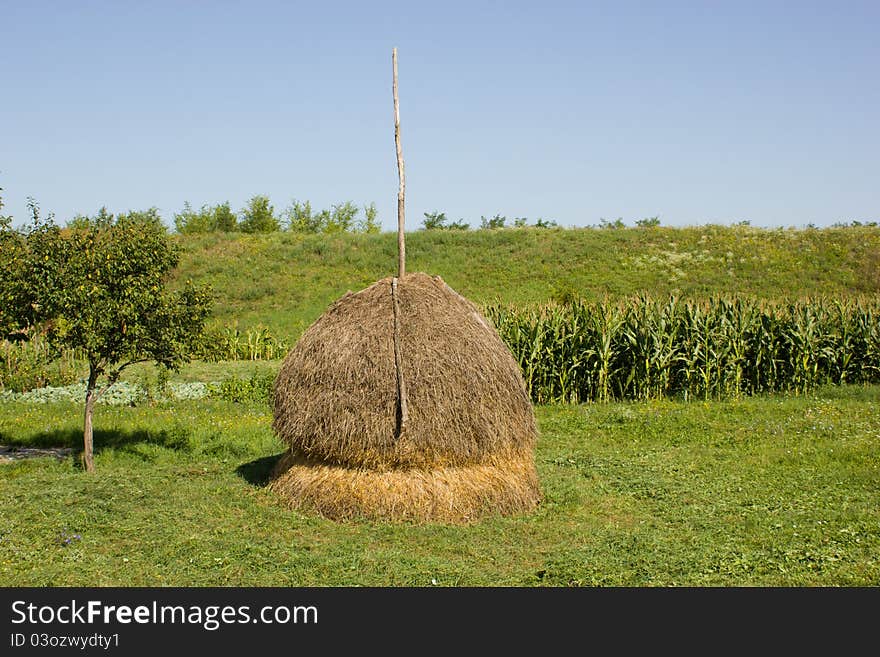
<point x="718" y="348"/>
<point x="231" y="343"/>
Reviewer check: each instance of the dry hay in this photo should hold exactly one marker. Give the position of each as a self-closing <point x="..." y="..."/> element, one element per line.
<point x="467" y="446"/>
<point x="446" y="494"/>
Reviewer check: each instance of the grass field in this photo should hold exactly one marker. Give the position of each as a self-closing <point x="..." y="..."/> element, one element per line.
<point x="766" y="491"/>
<point x="285" y="280"/>
<point x="774" y="490"/>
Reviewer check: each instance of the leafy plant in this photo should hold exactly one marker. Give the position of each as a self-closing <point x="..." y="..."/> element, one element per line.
<point x="35" y="363"/>
<point x="370" y="222"/>
<point x="341" y="218"/>
<point x="232" y="343"/>
<point x="718" y="348"/>
<point x="100" y="289"/>
<point x="257" y="388"/>
<point x="491" y="224"/>
<point x="258" y="216"/>
<point x="434" y="220"/>
<point x="217" y="218"/>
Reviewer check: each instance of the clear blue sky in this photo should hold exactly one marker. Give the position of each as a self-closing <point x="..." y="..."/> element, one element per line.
<point x="695" y="112"/>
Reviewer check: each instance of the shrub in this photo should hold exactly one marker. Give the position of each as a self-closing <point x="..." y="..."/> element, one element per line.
<point x="259" y="216"/>
<point x="438" y="221"/>
<point x="257" y="388"/>
<point x="33" y="364"/>
<point x="495" y="222"/>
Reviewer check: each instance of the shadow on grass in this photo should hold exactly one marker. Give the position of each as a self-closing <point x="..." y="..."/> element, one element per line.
<point x="257" y="472"/>
<point x="175" y="438"/>
<point x="69" y="442"/>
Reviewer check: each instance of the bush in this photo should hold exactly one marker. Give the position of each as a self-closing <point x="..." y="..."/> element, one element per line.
<point x="257" y="389"/>
<point x="217" y="218"/>
<point x="370" y="222"/>
<point x="438" y="221"/>
<point x="340" y="218"/>
<point x="491" y="224"/>
<point x="300" y="219"/>
<point x="34" y="364"/>
<point x="259" y="216"/>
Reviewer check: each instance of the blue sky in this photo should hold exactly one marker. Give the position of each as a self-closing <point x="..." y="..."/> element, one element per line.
<point x="695" y="112"/>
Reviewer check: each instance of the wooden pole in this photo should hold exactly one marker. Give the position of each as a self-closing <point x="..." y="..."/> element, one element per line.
<point x="401" y="247"/>
<point x="402" y="406"/>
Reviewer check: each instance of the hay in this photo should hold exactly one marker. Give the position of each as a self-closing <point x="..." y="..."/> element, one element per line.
<point x="467" y="445"/>
<point x="451" y="494"/>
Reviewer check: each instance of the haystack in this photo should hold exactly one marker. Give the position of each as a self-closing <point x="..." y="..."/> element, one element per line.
<point x="460" y="443"/>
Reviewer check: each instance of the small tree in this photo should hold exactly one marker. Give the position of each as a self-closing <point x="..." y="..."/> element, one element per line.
<point x="438" y="221"/>
<point x="648" y="222"/>
<point x="342" y="218"/>
<point x="101" y="288"/>
<point x="259" y="216"/>
<point x="14" y="300"/>
<point x="27" y="270"/>
<point x="224" y="218"/>
<point x="494" y="223"/>
<point x="434" y="220"/>
<point x="209" y="219"/>
<point x="300" y="219"/>
<point x="370" y="222"/>
<point x="189" y="221"/>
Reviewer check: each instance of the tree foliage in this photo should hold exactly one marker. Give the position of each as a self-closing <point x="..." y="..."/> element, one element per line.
<point x="339" y="218"/>
<point x="370" y="222"/>
<point x="438" y="221"/>
<point x="110" y="299"/>
<point x="208" y="219"/>
<point x="27" y="271"/>
<point x="258" y="216"/>
<point x="100" y="286"/>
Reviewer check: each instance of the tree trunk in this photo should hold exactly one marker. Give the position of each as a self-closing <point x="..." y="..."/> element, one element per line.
<point x="88" y="445"/>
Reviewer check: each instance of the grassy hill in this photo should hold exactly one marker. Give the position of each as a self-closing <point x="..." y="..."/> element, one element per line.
<point x="285" y="280"/>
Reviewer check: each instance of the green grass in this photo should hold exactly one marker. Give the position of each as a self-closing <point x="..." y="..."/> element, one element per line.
<point x="285" y="280"/>
<point x="765" y="491"/>
<point x="146" y="374"/>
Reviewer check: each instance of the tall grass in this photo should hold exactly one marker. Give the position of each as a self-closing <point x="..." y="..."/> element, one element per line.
<point x="722" y="347"/>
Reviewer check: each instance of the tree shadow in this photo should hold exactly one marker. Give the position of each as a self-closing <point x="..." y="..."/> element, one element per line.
<point x="69" y="442"/>
<point x="175" y="438"/>
<point x="257" y="472"/>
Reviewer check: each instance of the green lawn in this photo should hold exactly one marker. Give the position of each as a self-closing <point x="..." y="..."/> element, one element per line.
<point x="766" y="491"/>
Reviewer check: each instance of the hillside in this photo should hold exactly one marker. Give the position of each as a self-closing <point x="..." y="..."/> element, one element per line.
<point x="285" y="280"/>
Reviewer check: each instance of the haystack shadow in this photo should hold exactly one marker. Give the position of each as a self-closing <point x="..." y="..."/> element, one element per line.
<point x="258" y="472"/>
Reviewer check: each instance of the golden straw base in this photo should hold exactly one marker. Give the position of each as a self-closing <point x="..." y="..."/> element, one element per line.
<point x="447" y="495"/>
